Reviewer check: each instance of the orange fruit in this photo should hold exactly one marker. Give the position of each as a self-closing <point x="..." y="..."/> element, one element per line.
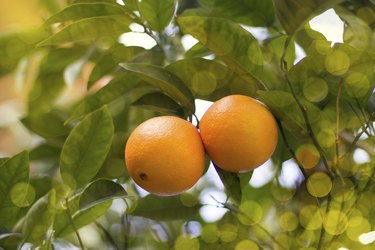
<point x="165" y="155"/>
<point x="239" y="133"/>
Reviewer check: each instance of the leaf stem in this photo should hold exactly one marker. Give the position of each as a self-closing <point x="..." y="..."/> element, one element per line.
<point x="73" y="225"/>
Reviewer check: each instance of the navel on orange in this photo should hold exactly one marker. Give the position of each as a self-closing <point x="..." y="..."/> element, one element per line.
<point x="239" y="133"/>
<point x="165" y="155"/>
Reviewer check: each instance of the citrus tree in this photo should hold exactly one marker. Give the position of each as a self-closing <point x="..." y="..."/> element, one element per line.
<point x="84" y="90"/>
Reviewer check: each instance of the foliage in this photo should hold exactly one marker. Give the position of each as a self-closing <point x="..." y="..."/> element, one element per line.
<point x="70" y="178"/>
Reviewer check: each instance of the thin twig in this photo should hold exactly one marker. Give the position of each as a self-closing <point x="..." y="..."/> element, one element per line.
<point x="322" y="231"/>
<point x="233" y="208"/>
<point x="107" y="235"/>
<point x="303" y="109"/>
<point x="291" y="151"/>
<point x="338" y="123"/>
<point x="72" y="223"/>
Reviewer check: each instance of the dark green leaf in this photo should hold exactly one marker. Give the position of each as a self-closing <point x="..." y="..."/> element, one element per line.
<point x="40" y="218"/>
<point x="158" y="14"/>
<point x="100" y="191"/>
<point x="249" y="12"/>
<point x="231" y="43"/>
<point x="90" y="29"/>
<point x="116" y="88"/>
<point x="233" y="182"/>
<point x="109" y="62"/>
<point x="293" y="14"/>
<point x="78" y="11"/>
<point x="42" y="184"/>
<point x="165" y="81"/>
<point x="10" y="240"/>
<point x="12" y="172"/>
<point x="81" y="218"/>
<point x="86" y="148"/>
<point x="44" y="152"/>
<point x="3" y="160"/>
<point x="160" y="103"/>
<point x="164" y="208"/>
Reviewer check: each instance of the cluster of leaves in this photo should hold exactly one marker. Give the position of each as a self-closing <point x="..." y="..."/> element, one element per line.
<point x="69" y="180"/>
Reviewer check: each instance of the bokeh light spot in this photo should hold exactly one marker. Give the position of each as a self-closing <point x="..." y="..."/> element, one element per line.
<point x="342" y="189"/>
<point x="335" y="222"/>
<point x="307" y="155"/>
<point x="250" y="213"/>
<point x="288" y="221"/>
<point x="228" y="232"/>
<point x="337" y="62"/>
<point x="204" y="82"/>
<point x="315" y="89"/>
<point x="356" y="84"/>
<point x="319" y="184"/>
<point x="210" y="233"/>
<point x="22" y="194"/>
<point x="310" y="217"/>
<point x="186" y="243"/>
<point x="246" y="245"/>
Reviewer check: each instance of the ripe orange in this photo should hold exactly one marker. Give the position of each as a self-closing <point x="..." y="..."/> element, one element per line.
<point x="165" y="155"/>
<point x="239" y="133"/>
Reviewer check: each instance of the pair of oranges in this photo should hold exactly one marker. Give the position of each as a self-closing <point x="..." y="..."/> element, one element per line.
<point x="166" y="155"/>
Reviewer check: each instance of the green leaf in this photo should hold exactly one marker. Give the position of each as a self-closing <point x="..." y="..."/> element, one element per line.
<point x="165" y="81"/>
<point x="90" y="29"/>
<point x="249" y="12"/>
<point x="81" y="218"/>
<point x="3" y="160"/>
<point x="99" y="191"/>
<point x="12" y="172"/>
<point x="86" y="148"/>
<point x="50" y="81"/>
<point x="305" y="36"/>
<point x="158" y="14"/>
<point x="198" y="50"/>
<point x="108" y="63"/>
<point x="165" y="208"/>
<point x="293" y="14"/>
<point x="78" y="11"/>
<point x="40" y="218"/>
<point x="233" y="182"/>
<point x="17" y="44"/>
<point x="357" y="33"/>
<point x="10" y="240"/>
<point x="48" y="125"/>
<point x="160" y="103"/>
<point x="202" y="76"/>
<point x="231" y="43"/>
<point x="42" y="184"/>
<point x="284" y="106"/>
<point x="117" y="87"/>
<point x="44" y="152"/>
